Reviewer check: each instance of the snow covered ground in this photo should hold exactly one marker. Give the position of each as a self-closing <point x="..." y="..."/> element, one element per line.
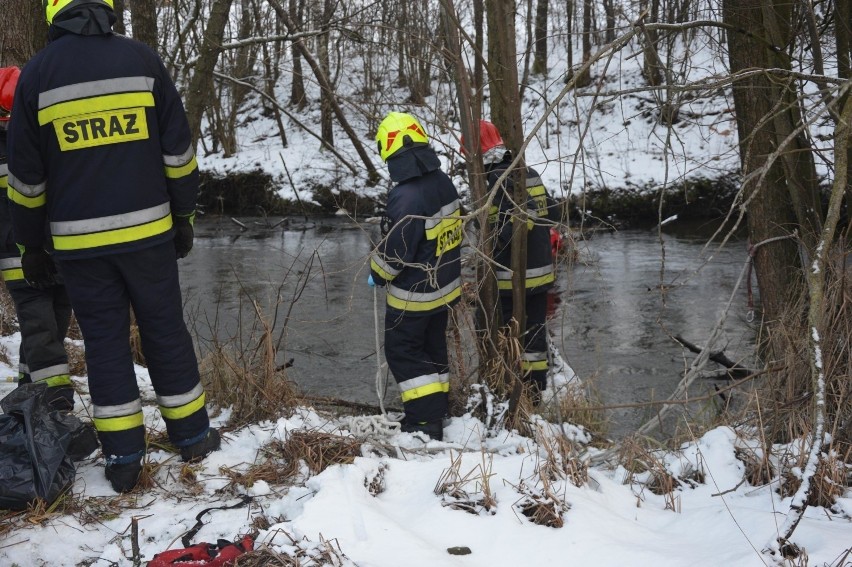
<point x="383" y="507"/>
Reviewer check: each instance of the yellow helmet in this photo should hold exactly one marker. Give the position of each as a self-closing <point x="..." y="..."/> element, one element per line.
<point x="53" y="7"/>
<point x="393" y="131"/>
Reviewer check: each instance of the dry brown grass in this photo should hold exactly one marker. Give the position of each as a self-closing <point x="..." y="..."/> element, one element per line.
<point x="284" y="462"/>
<point x="828" y="483"/>
<point x="470" y="492"/>
<point x="562" y="459"/>
<point x="300" y="553"/>
<point x="8" y="315"/>
<point x="580" y="407"/>
<point x="758" y="468"/>
<point x="638" y="460"/>
<point x="250" y="387"/>
<point x="542" y="506"/>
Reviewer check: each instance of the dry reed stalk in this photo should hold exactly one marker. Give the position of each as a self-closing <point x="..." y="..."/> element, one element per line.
<point x="452" y="487"/>
<point x="562" y="459"/>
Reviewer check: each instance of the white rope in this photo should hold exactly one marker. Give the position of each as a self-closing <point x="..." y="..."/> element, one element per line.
<point x="380" y="392"/>
<point x="371" y="426"/>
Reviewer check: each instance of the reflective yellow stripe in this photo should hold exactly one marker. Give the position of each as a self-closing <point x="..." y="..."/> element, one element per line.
<point x="182" y="171"/>
<point x="427" y="390"/>
<point x="528" y="366"/>
<point x="530" y="282"/>
<point x="13" y="274"/>
<point x="117" y="236"/>
<point x="123" y="423"/>
<point x="94" y="104"/>
<point x="387" y="276"/>
<point x="185" y="410"/>
<point x="59" y="380"/>
<point x="24" y="201"/>
<point x="411" y="305"/>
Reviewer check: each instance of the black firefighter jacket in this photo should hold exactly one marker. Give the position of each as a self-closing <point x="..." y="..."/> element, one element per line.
<point x="542" y="212"/>
<point x="99" y="145"/>
<point x="419" y="259"/>
<point x="10" y="257"/>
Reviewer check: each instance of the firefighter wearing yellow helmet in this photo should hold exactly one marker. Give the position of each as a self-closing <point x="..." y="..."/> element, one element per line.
<point x="418" y="262"/>
<point x="102" y="151"/>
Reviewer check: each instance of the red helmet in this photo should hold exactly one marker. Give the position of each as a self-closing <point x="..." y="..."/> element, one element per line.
<point x="489" y="137"/>
<point x="8" y="82"/>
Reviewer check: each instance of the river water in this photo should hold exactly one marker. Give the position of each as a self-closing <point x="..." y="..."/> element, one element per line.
<point x="616" y="306"/>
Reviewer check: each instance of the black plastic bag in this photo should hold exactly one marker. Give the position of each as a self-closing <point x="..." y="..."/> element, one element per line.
<point x="34" y="448"/>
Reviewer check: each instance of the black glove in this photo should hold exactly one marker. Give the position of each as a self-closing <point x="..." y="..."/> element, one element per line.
<point x="39" y="269"/>
<point x="183" y="236"/>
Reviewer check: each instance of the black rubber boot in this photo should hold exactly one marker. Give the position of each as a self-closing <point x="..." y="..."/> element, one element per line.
<point x="124" y="477"/>
<point x="84" y="440"/>
<point x="434" y="429"/>
<point x="198" y="451"/>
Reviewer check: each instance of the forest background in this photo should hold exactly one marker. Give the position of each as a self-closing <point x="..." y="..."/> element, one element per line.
<point x="740" y="108"/>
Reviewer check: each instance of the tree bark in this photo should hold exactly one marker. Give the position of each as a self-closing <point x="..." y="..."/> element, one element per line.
<point x="372" y="174"/>
<point x="143" y="18"/>
<point x="298" y="98"/>
<point x="540" y="61"/>
<point x="584" y="79"/>
<point x="201" y="85"/>
<point x="23" y="32"/>
<point x="506" y="115"/>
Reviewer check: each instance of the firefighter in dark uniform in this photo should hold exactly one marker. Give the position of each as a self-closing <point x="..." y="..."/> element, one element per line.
<point x="43" y="314"/>
<point x="100" y="146"/>
<point x="419" y="262"/>
<point x="540" y="273"/>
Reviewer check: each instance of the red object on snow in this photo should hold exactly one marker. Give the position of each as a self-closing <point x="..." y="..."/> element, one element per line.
<point x="220" y="554"/>
<point x="555" y="241"/>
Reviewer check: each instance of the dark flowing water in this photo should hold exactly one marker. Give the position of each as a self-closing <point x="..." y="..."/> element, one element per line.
<point x="615" y="307"/>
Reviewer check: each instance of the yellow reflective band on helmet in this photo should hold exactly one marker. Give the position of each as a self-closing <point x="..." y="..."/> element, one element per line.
<point x="185" y="410"/>
<point x="53" y="7"/>
<point x="123" y="423"/>
<point x="394" y="129"/>
<point x="117" y="236"/>
<point x="28" y="202"/>
<point x="181" y="171"/>
<point x="81" y="107"/>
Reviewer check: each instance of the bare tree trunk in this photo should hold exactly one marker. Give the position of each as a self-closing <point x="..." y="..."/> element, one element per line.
<point x="652" y="67"/>
<point x="143" y="18"/>
<point x="298" y="98"/>
<point x="201" y="85"/>
<point x="569" y="39"/>
<point x="470" y="112"/>
<point x="843" y="37"/>
<point x="372" y="174"/>
<point x="609" y="10"/>
<point x="118" y="8"/>
<point x="322" y="16"/>
<point x="584" y="79"/>
<point x="23" y="32"/>
<point x="540" y="61"/>
<point x="504" y="96"/>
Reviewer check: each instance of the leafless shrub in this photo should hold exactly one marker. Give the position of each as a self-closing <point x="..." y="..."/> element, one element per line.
<point x="454" y="488"/>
